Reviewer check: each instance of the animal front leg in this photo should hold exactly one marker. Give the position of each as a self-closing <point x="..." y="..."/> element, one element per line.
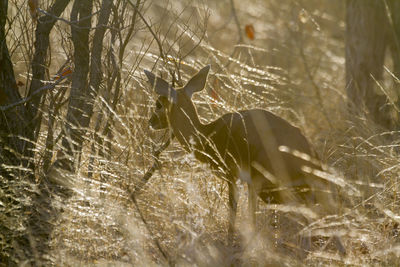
<point x="233" y="199"/>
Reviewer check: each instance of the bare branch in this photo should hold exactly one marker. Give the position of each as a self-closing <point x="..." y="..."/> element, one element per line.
<point x="160" y="48"/>
<point x="36" y="93"/>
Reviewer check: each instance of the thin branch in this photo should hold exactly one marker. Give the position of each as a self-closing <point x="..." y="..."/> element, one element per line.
<point x="37" y="92"/>
<point x="150" y="29"/>
<point x="69" y="22"/>
<point x="131" y="29"/>
<point x="155" y="240"/>
<point x="156" y="166"/>
<point x="139" y="186"/>
<point x="235" y="17"/>
<point x="310" y="76"/>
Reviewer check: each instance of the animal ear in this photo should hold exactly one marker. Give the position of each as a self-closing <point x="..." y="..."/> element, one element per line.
<point x="197" y="82"/>
<point x="160" y="86"/>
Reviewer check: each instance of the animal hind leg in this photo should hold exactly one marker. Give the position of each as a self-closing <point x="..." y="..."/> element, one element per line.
<point x="233" y="200"/>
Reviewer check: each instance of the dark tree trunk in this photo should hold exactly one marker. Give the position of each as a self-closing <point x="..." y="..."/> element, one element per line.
<point x="39" y="65"/>
<point x="13" y="163"/>
<point x="83" y="92"/>
<point x="32" y="200"/>
<point x="366" y="42"/>
<point x="75" y="121"/>
<point x="394" y="6"/>
<point x="14" y="121"/>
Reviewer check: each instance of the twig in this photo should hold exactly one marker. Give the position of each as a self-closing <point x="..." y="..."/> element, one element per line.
<point x="317" y="89"/>
<point x="153" y="168"/>
<point x="140" y="185"/>
<point x="38" y="91"/>
<point x="155" y="240"/>
<point x="235" y="17"/>
<point x="69" y="22"/>
<point x="239" y="42"/>
<point x="150" y="29"/>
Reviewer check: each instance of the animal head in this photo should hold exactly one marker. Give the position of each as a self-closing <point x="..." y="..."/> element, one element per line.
<point x="175" y="105"/>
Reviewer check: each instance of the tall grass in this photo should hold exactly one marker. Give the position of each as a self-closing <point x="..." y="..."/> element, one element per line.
<point x="295" y="69"/>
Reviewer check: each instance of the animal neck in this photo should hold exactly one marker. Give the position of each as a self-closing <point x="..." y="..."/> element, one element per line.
<point x="188" y="129"/>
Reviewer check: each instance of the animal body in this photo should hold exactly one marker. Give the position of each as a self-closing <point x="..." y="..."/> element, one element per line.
<point x="263" y="150"/>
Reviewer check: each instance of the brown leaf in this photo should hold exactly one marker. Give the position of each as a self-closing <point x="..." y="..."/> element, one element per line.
<point x="249" y="29"/>
<point x="65" y="72"/>
<point x="33" y="5"/>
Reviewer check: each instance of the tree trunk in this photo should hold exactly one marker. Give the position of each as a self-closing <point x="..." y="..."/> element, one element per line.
<point x="28" y="201"/>
<point x="39" y="65"/>
<point x="395" y="42"/>
<point x="76" y="119"/>
<point x="83" y="92"/>
<point x="14" y="121"/>
<point x="366" y="42"/>
<point x="13" y="163"/>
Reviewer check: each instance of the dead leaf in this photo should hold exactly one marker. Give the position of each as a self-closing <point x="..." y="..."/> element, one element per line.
<point x="65" y="72"/>
<point x="33" y="6"/>
<point x="249" y="29"/>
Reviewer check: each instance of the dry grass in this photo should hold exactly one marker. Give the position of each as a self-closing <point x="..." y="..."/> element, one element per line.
<point x="294" y="68"/>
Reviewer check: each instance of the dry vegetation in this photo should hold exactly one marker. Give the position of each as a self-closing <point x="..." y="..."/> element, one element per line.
<point x="294" y="68"/>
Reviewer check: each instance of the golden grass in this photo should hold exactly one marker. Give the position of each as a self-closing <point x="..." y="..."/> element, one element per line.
<point x="184" y="204"/>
